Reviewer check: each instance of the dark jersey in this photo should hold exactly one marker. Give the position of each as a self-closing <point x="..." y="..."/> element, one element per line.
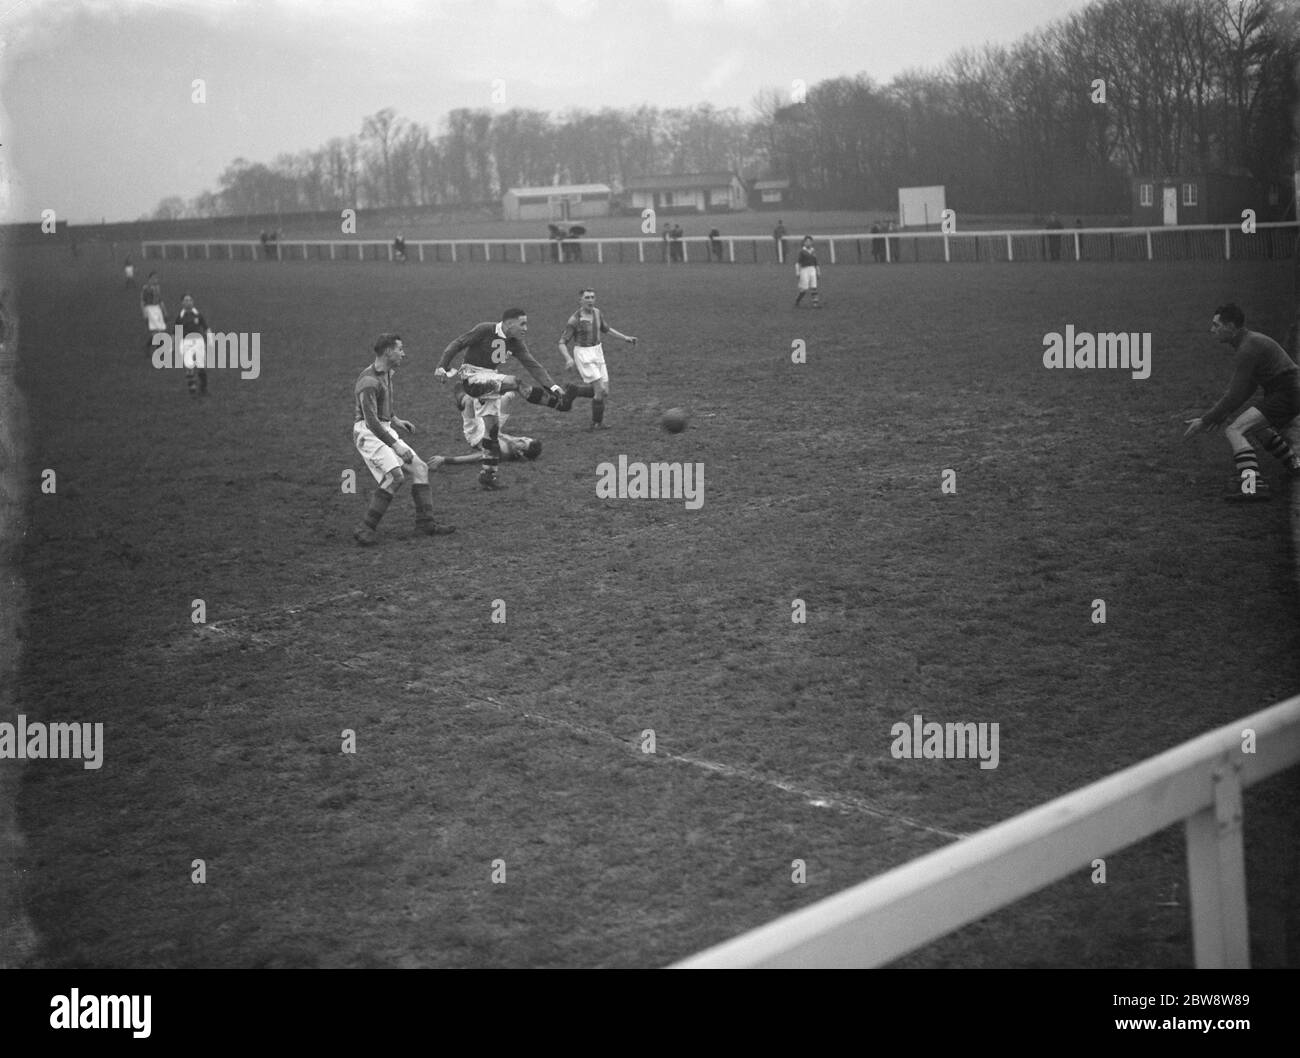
<point x="192" y="321"/>
<point x="374" y="402"/>
<point x="487" y="347"/>
<point x="807" y="259"/>
<point x="151" y="294"/>
<point x="1260" y="361"/>
<point x="584" y="329"/>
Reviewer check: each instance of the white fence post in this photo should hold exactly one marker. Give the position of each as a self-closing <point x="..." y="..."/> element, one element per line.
<point x="1198" y="782"/>
<point x="1010" y="253"/>
<point x="1216" y="873"/>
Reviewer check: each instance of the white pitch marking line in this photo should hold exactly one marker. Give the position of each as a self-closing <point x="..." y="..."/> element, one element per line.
<point x="844" y="802"/>
<point x="221" y="626"/>
<point x="816" y="799"/>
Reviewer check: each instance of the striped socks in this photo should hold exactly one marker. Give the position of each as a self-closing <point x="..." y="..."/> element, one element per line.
<point x="1276" y="445"/>
<point x="378" y="505"/>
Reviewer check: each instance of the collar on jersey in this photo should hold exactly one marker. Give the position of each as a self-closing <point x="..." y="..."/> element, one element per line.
<point x="500" y="332"/>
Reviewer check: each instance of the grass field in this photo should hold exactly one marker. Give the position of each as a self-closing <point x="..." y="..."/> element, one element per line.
<point x="480" y="742"/>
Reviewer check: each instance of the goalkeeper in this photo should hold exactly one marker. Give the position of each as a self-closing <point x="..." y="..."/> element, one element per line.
<point x="1259" y="362"/>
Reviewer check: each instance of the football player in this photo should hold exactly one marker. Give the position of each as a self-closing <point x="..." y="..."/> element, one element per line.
<point x="153" y="307"/>
<point x="194" y="346"/>
<point x="583" y="331"/>
<point x="808" y="272"/>
<point x="487" y="347"/>
<point x="1259" y="362"/>
<point x="390" y="459"/>
<point x="512" y="446"/>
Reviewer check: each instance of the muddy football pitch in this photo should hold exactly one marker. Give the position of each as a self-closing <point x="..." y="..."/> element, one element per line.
<point x="600" y="730"/>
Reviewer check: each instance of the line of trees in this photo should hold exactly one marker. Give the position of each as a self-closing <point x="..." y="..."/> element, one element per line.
<point x="1059" y="120"/>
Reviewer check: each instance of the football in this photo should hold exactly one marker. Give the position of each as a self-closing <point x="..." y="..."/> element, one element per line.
<point x="674" y="420"/>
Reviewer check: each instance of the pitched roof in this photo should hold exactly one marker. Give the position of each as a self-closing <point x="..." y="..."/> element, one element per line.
<point x="681" y="181"/>
<point x="561" y="189"/>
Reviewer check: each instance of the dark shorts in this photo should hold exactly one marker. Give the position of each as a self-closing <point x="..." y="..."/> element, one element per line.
<point x="1281" y="406"/>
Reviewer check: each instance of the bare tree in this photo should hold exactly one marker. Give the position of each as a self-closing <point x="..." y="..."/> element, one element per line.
<point x="379" y="130"/>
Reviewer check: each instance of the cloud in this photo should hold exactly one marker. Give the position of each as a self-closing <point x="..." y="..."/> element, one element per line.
<point x="722" y="10"/>
<point x="723" y="71"/>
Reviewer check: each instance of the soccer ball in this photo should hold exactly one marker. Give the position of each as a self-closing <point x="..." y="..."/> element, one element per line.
<point x="674" y="420"/>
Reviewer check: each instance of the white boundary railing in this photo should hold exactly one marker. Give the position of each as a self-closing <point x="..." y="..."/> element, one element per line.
<point x="1191" y="242"/>
<point x="1199" y="783"/>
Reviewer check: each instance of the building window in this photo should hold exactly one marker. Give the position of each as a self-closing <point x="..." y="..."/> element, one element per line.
<point x="1189" y="194"/>
<point x="1145" y="195"/>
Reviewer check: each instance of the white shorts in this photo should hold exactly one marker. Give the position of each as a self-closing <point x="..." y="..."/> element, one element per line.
<point x="130" y="271"/>
<point x="591" y="363"/>
<point x="154" y="315"/>
<point x="379" y="457"/>
<point x="470" y="373"/>
<point x="808" y="278"/>
<point x="194" y="351"/>
<point x="473" y="413"/>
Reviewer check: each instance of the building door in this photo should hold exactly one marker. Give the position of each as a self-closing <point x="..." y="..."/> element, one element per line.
<point x="1171" y="204"/>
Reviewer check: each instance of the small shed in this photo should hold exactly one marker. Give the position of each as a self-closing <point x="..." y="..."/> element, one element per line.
<point x="771" y="194"/>
<point x="558" y="202"/>
<point x="1197" y="198"/>
<point x="687" y="192"/>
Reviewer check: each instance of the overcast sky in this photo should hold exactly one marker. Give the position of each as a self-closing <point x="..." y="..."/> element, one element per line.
<point x="97" y="118"/>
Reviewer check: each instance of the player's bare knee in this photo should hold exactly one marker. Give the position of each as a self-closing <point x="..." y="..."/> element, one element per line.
<point x="393" y="480"/>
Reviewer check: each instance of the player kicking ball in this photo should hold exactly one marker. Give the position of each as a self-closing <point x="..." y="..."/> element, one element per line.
<point x="487" y="347"/>
<point x="390" y="459"/>
<point x="1259" y="362"/>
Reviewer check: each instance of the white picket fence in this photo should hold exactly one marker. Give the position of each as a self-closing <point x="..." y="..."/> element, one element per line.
<point x="1216" y="242"/>
<point x="1198" y="783"/>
